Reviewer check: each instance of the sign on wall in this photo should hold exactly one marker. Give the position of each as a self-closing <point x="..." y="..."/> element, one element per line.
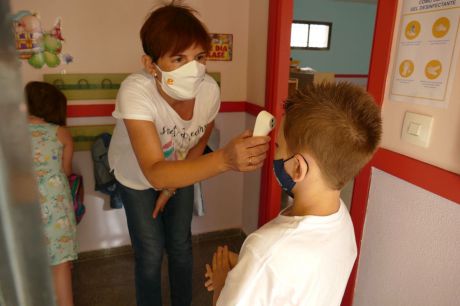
<point x="427" y="52"/>
<point x="221" y="47"/>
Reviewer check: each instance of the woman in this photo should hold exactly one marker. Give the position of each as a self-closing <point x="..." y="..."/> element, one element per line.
<point x="165" y="115"/>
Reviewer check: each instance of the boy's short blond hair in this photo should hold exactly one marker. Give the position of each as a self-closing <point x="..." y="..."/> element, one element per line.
<point x="338" y="124"/>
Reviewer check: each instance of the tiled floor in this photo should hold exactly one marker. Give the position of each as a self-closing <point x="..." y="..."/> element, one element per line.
<point x="109" y="280"/>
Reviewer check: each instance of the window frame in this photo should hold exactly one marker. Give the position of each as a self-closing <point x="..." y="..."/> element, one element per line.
<point x="309" y="22"/>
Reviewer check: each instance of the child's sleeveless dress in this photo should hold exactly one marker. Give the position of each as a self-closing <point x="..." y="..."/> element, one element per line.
<point x="54" y="192"/>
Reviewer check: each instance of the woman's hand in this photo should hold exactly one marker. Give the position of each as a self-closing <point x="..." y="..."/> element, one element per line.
<point x="162" y="199"/>
<point x="246" y="153"/>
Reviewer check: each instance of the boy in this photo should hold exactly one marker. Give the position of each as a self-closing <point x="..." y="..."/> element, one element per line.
<point x="306" y="254"/>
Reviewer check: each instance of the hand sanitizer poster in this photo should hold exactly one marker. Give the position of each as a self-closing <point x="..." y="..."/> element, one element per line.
<point x="427" y="52"/>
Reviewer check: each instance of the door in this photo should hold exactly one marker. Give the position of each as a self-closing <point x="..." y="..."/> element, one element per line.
<point x="280" y="19"/>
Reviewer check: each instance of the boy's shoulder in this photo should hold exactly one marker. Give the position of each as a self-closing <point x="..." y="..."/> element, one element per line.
<point x="308" y="234"/>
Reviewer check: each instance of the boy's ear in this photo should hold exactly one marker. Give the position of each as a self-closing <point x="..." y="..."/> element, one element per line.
<point x="300" y="168"/>
<point x="148" y="65"/>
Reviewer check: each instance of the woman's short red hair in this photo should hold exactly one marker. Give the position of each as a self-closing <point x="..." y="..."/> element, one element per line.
<point x="171" y="29"/>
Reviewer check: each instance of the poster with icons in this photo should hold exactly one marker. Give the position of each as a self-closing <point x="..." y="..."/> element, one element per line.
<point x="427" y="52"/>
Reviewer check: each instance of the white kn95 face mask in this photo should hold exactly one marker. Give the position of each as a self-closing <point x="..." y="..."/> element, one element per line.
<point x="184" y="82"/>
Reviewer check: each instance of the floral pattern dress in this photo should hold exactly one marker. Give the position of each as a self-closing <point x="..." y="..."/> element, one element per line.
<point x="54" y="193"/>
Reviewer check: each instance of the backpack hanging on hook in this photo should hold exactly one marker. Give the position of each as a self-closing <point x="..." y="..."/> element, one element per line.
<point x="105" y="181"/>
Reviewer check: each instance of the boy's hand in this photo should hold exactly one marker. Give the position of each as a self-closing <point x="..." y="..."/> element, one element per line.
<point x="162" y="199"/>
<point x="232" y="259"/>
<point x="220" y="268"/>
<point x="209" y="282"/>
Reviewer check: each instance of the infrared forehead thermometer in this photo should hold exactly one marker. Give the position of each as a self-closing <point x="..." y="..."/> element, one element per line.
<point x="265" y="122"/>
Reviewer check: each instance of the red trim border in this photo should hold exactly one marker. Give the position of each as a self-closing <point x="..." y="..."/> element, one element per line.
<point x="436" y="180"/>
<point x="352" y="76"/>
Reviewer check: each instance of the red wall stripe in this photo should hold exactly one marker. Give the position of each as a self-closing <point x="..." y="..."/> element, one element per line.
<point x="436" y="180"/>
<point x="105" y="110"/>
<point x="352" y="76"/>
<point x="253" y="109"/>
<point x="232" y="107"/>
<point x="90" y="110"/>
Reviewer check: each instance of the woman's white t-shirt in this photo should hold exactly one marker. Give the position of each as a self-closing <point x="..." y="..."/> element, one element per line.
<point x="139" y="99"/>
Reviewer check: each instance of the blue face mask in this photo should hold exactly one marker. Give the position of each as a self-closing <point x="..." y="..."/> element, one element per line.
<point x="284" y="179"/>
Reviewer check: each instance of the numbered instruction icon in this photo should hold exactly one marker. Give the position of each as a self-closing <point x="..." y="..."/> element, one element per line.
<point x="440" y="27"/>
<point x="412" y="29"/>
<point x="406" y="68"/>
<point x="433" y="69"/>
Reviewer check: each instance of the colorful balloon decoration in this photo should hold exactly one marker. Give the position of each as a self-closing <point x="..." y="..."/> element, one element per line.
<point x="37" y="46"/>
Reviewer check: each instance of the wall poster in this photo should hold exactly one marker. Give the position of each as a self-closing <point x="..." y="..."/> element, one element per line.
<point x="427" y="52"/>
<point x="221" y="47"/>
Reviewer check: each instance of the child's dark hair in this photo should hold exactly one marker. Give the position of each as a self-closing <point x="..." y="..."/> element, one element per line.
<point x="338" y="124"/>
<point x="47" y="102"/>
<point x="171" y="29"/>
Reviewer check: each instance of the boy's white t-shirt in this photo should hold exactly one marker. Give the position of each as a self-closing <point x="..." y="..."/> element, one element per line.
<point x="294" y="261"/>
<point x="139" y="99"/>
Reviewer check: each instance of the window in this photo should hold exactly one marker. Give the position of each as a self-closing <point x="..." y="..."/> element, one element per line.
<point x="311" y="35"/>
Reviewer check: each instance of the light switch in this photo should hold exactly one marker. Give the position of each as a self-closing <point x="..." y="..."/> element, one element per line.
<point x="416" y="129"/>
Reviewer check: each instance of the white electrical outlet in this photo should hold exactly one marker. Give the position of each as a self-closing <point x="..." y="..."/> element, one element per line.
<point x="416" y="129"/>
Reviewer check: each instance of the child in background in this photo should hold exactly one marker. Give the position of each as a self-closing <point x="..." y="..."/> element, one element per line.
<point x="52" y="147"/>
<point x="306" y="254"/>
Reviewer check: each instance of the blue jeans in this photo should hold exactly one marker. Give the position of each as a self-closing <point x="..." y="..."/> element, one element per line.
<point x="149" y="237"/>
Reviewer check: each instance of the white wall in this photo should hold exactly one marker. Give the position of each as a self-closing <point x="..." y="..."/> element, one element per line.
<point x="251" y="193"/>
<point x="104" y="38"/>
<point x="223" y="195"/>
<point x="410" y="248"/>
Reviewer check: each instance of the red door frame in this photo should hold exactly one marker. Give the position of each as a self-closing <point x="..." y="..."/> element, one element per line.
<point x="278" y="53"/>
<point x="378" y="68"/>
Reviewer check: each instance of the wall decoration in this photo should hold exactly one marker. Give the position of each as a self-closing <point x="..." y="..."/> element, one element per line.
<point x="37" y="46"/>
<point x="427" y="49"/>
<point x="87" y="86"/>
<point x="94" y="86"/>
<point x="221" y="47"/>
<point x="84" y="135"/>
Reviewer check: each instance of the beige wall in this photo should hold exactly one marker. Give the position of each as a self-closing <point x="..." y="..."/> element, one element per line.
<point x="103" y="37"/>
<point x="444" y="149"/>
<point x="257" y="51"/>
<point x="256" y="70"/>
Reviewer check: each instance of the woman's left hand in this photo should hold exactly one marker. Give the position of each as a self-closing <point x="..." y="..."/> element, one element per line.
<point x="162" y="199"/>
